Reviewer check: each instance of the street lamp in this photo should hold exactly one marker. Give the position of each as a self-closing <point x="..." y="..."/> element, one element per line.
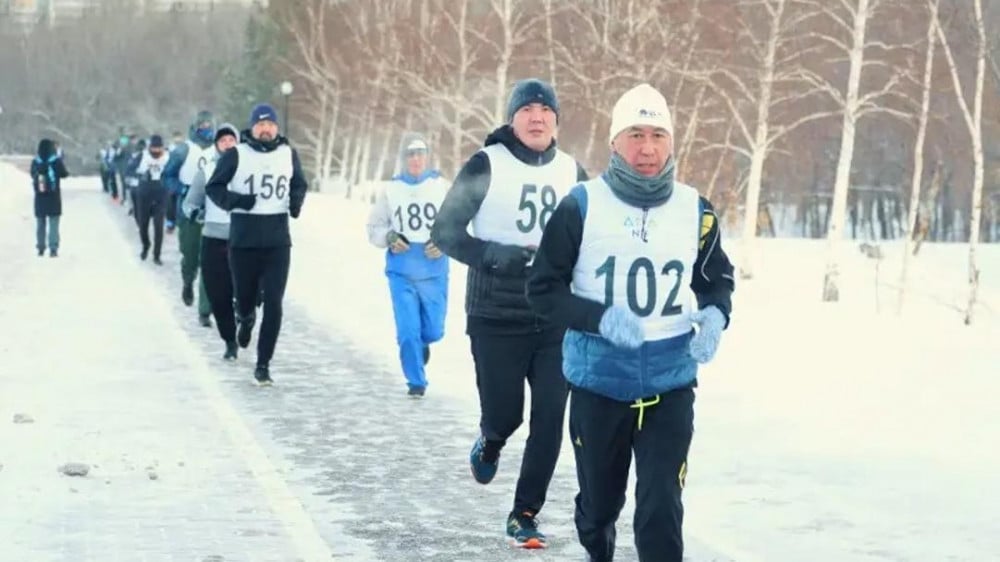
<point x="286" y="91"/>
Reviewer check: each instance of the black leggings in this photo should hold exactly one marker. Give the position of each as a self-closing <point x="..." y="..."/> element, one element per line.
<point x="219" y="284"/>
<point x="151" y="203"/>
<point x="266" y="269"/>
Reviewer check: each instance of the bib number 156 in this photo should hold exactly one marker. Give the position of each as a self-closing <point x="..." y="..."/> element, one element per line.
<point x="269" y="186"/>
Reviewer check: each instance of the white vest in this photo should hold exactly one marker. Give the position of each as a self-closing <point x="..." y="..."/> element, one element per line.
<point x="267" y="174"/>
<point x="152" y="166"/>
<point x="521" y="198"/>
<point x="213" y="213"/>
<point x="641" y="260"/>
<point x="196" y="159"/>
<point x="413" y="208"/>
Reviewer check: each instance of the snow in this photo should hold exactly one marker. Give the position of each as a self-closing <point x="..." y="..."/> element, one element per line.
<point x="824" y="431"/>
<point x="820" y="433"/>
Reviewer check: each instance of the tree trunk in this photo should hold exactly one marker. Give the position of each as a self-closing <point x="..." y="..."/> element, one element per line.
<point x="761" y="144"/>
<point x="918" y="159"/>
<point x="842" y="183"/>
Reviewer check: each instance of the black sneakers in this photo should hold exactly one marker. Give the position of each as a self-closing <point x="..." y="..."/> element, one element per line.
<point x="245" y="331"/>
<point x="231" y="351"/>
<point x="262" y="375"/>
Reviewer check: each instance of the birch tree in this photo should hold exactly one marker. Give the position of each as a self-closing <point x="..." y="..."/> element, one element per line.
<point x="974" y="122"/>
<point x="852" y="19"/>
<point x="775" y="83"/>
<point x="918" y="150"/>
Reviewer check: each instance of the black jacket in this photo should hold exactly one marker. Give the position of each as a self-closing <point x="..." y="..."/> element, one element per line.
<point x="552" y="272"/>
<point x="47" y="171"/>
<point x="495" y="303"/>
<point x="255" y="231"/>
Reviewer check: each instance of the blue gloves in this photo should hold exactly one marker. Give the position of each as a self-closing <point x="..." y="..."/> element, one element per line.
<point x="710" y="322"/>
<point x="622" y="328"/>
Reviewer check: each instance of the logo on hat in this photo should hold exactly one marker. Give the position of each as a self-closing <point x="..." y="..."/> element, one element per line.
<point x="649" y="113"/>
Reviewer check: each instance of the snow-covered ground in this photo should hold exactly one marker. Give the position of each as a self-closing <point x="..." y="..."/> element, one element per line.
<point x="824" y="432"/>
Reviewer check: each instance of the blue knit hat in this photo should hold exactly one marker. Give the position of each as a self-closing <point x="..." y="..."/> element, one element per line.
<point x="263" y="112"/>
<point x="531" y="90"/>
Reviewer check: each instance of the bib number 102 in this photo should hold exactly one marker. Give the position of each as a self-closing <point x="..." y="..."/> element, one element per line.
<point x="643" y="269"/>
<point x="269" y="186"/>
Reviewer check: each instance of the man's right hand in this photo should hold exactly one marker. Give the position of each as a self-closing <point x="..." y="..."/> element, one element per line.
<point x="507" y="259"/>
<point x="397" y="242"/>
<point x="245" y="201"/>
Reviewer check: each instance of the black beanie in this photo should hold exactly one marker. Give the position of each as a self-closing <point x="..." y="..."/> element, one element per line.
<point x="530" y="91"/>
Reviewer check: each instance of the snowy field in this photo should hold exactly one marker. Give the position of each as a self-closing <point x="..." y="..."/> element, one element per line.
<point x="824" y="432"/>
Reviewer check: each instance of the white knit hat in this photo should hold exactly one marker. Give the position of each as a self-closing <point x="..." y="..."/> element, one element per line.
<point x="642" y="105"/>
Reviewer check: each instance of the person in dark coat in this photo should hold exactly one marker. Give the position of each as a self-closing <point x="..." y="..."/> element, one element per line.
<point x="151" y="195"/>
<point x="47" y="169"/>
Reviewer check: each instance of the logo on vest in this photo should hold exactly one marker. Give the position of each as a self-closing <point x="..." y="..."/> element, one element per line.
<point x="639" y="227"/>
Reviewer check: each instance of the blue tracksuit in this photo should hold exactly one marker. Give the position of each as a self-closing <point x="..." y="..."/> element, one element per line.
<point x="418" y="284"/>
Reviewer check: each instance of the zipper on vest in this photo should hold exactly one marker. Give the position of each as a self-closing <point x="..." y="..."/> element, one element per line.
<point x="642" y="229"/>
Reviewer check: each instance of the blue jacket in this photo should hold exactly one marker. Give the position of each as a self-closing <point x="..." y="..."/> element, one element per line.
<point x="589" y="360"/>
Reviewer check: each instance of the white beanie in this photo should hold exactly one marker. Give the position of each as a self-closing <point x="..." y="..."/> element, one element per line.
<point x="642" y="105"/>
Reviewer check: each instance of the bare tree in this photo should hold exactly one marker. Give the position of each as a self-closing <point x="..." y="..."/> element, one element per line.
<point x="918" y="150"/>
<point x="974" y="122"/>
<point x="853" y="19"/>
<point x="770" y="29"/>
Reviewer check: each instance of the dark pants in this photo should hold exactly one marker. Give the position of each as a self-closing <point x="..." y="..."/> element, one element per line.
<point x="218" y="281"/>
<point x="110" y="185"/>
<point x="266" y="268"/>
<point x="151" y="203"/>
<point x="189" y="240"/>
<point x="605" y="435"/>
<point x="53" y="233"/>
<point x="503" y="363"/>
<point x="171" y="210"/>
<point x="130" y="192"/>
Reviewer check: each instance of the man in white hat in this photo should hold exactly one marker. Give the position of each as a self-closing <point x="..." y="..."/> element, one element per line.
<point x="618" y="263"/>
<point x="400" y="221"/>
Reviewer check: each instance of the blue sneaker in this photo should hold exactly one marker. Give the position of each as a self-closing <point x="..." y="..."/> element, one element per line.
<point x="522" y="530"/>
<point x="484" y="460"/>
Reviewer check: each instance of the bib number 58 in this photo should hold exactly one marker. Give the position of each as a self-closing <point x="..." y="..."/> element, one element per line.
<point x="531" y="196"/>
